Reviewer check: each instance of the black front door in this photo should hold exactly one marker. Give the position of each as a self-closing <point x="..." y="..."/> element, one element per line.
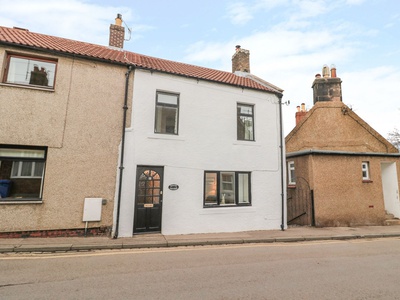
<point x="148" y="199"/>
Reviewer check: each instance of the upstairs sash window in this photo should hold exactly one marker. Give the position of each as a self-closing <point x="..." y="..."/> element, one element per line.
<point x="167" y="111"/>
<point x="30" y="71"/>
<point x="245" y="122"/>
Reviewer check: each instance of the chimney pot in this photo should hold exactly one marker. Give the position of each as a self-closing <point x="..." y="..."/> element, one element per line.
<point x="298" y="108"/>
<point x="325" y="71"/>
<point x="333" y="71"/>
<point x="117" y="33"/>
<point x="118" y="20"/>
<point x="300" y="113"/>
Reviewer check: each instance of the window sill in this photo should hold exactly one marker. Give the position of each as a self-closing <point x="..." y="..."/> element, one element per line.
<point x="216" y="210"/>
<point x="247" y="143"/>
<point x="226" y="205"/>
<point x="367" y="181"/>
<point x="291" y="186"/>
<point x="27" y="87"/>
<point x="5" y="201"/>
<point x="162" y="136"/>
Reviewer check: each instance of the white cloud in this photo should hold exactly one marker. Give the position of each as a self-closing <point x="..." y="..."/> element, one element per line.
<point x="239" y="13"/>
<point x="290" y="57"/>
<point x="310" y="8"/>
<point x="354" y="2"/>
<point x="374" y="95"/>
<point x="73" y="19"/>
<point x="269" y="4"/>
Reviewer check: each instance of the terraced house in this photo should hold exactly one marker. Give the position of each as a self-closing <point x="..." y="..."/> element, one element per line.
<point x="101" y="140"/>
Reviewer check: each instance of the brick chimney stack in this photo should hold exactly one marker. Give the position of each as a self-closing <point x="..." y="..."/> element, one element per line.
<point x="241" y="60"/>
<point x="117" y="33"/>
<point x="300" y="113"/>
<point x="328" y="87"/>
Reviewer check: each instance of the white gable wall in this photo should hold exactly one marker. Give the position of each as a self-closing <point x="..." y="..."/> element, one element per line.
<point x="207" y="140"/>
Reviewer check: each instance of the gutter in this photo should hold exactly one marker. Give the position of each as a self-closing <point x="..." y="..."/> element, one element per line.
<point x="121" y="165"/>
<point x="332" y="152"/>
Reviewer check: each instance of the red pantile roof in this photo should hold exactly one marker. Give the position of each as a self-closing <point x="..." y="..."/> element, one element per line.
<point x="25" y="38"/>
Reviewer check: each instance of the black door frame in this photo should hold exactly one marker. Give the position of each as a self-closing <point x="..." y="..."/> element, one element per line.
<point x="148" y="199"/>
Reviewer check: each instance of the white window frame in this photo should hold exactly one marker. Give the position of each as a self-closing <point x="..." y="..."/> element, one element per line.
<point x="35" y="66"/>
<point x="291" y="177"/>
<point x="162" y="104"/>
<point x="250" y="135"/>
<point x="365" y="171"/>
<point x="19" y="153"/>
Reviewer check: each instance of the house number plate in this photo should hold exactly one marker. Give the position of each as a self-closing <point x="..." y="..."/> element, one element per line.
<point x="149" y="205"/>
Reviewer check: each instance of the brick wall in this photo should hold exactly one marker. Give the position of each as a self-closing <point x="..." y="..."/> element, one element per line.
<point x="79" y="232"/>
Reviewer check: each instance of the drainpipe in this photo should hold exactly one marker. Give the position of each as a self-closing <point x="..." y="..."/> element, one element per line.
<point x="282" y="161"/>
<point x="121" y="164"/>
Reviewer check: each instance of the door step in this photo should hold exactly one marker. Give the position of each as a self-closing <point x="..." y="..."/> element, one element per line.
<point x="390" y="219"/>
<point x="389" y="216"/>
<point x="393" y="221"/>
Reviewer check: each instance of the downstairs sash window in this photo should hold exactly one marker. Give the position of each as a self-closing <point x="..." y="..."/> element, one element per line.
<point x="226" y="188"/>
<point x="21" y="172"/>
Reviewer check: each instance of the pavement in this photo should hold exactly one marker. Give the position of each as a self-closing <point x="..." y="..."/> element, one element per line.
<point x="157" y="240"/>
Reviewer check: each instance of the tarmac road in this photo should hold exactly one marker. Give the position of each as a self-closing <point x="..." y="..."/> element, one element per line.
<point x="341" y="269"/>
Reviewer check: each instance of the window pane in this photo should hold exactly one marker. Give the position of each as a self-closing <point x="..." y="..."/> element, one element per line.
<point x="38" y="170"/>
<point x="166" y="120"/>
<point x="246" y="128"/>
<point x="32" y="153"/>
<point x="291" y="173"/>
<point x="210" y="189"/>
<point x="243" y="188"/>
<point x="167" y="99"/>
<point x="245" y="109"/>
<point x="15" y="167"/>
<point x="26" y="169"/>
<point x="365" y="170"/>
<point x="292" y="177"/>
<point x="31" y="72"/>
<point x="227" y="193"/>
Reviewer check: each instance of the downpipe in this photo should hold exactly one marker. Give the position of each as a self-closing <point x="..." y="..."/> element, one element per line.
<point x="282" y="162"/>
<point x="121" y="164"/>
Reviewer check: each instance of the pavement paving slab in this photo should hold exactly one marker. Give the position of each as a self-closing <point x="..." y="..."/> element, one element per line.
<point x="43" y="248"/>
<point x="157" y="240"/>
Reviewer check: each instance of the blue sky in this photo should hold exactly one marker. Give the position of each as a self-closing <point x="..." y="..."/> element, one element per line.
<point x="289" y="41"/>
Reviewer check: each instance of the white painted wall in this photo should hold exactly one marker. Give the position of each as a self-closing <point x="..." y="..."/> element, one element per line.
<point x="206" y="141"/>
<point x="390" y="188"/>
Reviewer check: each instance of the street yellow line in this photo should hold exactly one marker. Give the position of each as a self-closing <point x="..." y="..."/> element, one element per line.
<point x="13" y="255"/>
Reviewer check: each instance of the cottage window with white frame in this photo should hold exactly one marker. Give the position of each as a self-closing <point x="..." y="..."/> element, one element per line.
<point x="291" y="173"/>
<point x="167" y="112"/>
<point x="245" y="122"/>
<point x="227" y="188"/>
<point x="30" y="71"/>
<point x="22" y="171"/>
<point x="365" y="171"/>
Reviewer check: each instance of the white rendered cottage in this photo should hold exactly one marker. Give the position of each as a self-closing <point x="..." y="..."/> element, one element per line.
<point x="203" y="153"/>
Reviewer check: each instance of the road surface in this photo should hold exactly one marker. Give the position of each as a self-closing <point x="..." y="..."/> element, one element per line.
<point x="355" y="269"/>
